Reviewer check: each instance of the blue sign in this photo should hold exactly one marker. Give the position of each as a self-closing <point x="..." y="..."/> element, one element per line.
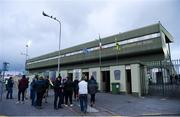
<point x="117" y="74"/>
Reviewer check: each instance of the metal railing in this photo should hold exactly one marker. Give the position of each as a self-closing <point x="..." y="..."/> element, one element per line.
<point x="164" y="78"/>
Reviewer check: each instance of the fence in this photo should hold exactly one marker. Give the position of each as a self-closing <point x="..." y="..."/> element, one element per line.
<point x="164" y="78"/>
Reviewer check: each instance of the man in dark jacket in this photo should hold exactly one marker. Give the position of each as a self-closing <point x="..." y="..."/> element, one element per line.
<point x="75" y="83"/>
<point x="58" y="96"/>
<point x="68" y="91"/>
<point x="40" y="88"/>
<point x="9" y="88"/>
<point x="46" y="80"/>
<point x="22" y="86"/>
<point x="92" y="89"/>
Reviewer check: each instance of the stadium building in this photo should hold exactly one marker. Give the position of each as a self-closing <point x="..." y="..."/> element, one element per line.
<point x="119" y="62"/>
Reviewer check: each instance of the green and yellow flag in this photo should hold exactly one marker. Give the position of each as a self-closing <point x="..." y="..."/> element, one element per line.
<point x="118" y="48"/>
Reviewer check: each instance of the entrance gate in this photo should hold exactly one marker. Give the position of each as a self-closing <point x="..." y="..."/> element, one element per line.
<point x="164" y="78"/>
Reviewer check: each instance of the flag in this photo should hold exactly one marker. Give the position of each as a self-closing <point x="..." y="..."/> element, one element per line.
<point x="118" y="48"/>
<point x="85" y="51"/>
<point x="100" y="44"/>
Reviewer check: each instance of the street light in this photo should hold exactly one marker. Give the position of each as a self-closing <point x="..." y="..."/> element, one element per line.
<point x="26" y="56"/>
<point x="27" y="52"/>
<point x="54" y="18"/>
<point x="27" y="45"/>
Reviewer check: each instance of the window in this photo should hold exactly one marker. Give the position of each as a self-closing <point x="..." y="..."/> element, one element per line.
<point x="132" y="40"/>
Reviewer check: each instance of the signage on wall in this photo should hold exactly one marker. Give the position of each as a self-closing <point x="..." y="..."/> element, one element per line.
<point x="117" y="74"/>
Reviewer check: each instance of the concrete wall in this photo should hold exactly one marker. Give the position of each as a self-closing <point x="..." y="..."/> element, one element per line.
<point x="77" y="73"/>
<point x="63" y="74"/>
<point x="96" y="71"/>
<point x="122" y="80"/>
<point x="135" y="78"/>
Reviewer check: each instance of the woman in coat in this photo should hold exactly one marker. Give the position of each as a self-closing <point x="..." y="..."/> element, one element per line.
<point x="92" y="89"/>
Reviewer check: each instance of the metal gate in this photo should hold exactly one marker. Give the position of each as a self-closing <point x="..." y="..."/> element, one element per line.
<point x="164" y="78"/>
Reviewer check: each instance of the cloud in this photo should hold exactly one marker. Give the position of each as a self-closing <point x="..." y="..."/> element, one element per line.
<point x="81" y="21"/>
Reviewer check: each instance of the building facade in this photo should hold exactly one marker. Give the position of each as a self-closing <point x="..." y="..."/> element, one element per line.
<point x="124" y="65"/>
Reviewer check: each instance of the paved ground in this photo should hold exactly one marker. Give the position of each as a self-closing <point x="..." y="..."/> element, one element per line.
<point x="106" y="105"/>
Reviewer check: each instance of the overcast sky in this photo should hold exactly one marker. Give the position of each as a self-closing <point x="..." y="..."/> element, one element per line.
<point x="22" y="21"/>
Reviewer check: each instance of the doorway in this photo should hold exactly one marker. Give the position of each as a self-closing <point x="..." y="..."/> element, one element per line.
<point x="86" y="74"/>
<point x="106" y="81"/>
<point x="128" y="81"/>
<point x="159" y="78"/>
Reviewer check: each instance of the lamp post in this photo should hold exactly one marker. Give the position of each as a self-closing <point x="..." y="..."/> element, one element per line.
<point x="26" y="56"/>
<point x="27" y="52"/>
<point x="54" y="18"/>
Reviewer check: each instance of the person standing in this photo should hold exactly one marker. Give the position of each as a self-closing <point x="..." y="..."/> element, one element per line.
<point x="26" y="90"/>
<point x="63" y="80"/>
<point x="47" y="83"/>
<point x="68" y="91"/>
<point x="58" y="96"/>
<point x="40" y="90"/>
<point x="83" y="93"/>
<point x="75" y="83"/>
<point x="22" y="86"/>
<point x="9" y="88"/>
<point x="33" y="92"/>
<point x="92" y="89"/>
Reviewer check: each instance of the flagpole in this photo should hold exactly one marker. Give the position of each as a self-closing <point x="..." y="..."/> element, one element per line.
<point x="117" y="46"/>
<point x="100" y="51"/>
<point x="100" y="48"/>
<point x="85" y="51"/>
<point x="116" y="57"/>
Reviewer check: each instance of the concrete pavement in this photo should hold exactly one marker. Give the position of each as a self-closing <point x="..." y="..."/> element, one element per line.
<point x="106" y="105"/>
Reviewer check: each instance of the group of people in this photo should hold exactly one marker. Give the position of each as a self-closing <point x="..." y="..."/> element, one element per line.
<point x="39" y="90"/>
<point x="64" y="89"/>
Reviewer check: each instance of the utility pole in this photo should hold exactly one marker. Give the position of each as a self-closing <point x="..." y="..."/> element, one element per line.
<point x="4" y="69"/>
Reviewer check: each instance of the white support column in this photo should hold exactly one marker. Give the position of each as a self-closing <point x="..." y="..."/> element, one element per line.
<point x="77" y="73"/>
<point x="135" y="79"/>
<point x="122" y="79"/>
<point x="97" y="72"/>
<point x="64" y="74"/>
